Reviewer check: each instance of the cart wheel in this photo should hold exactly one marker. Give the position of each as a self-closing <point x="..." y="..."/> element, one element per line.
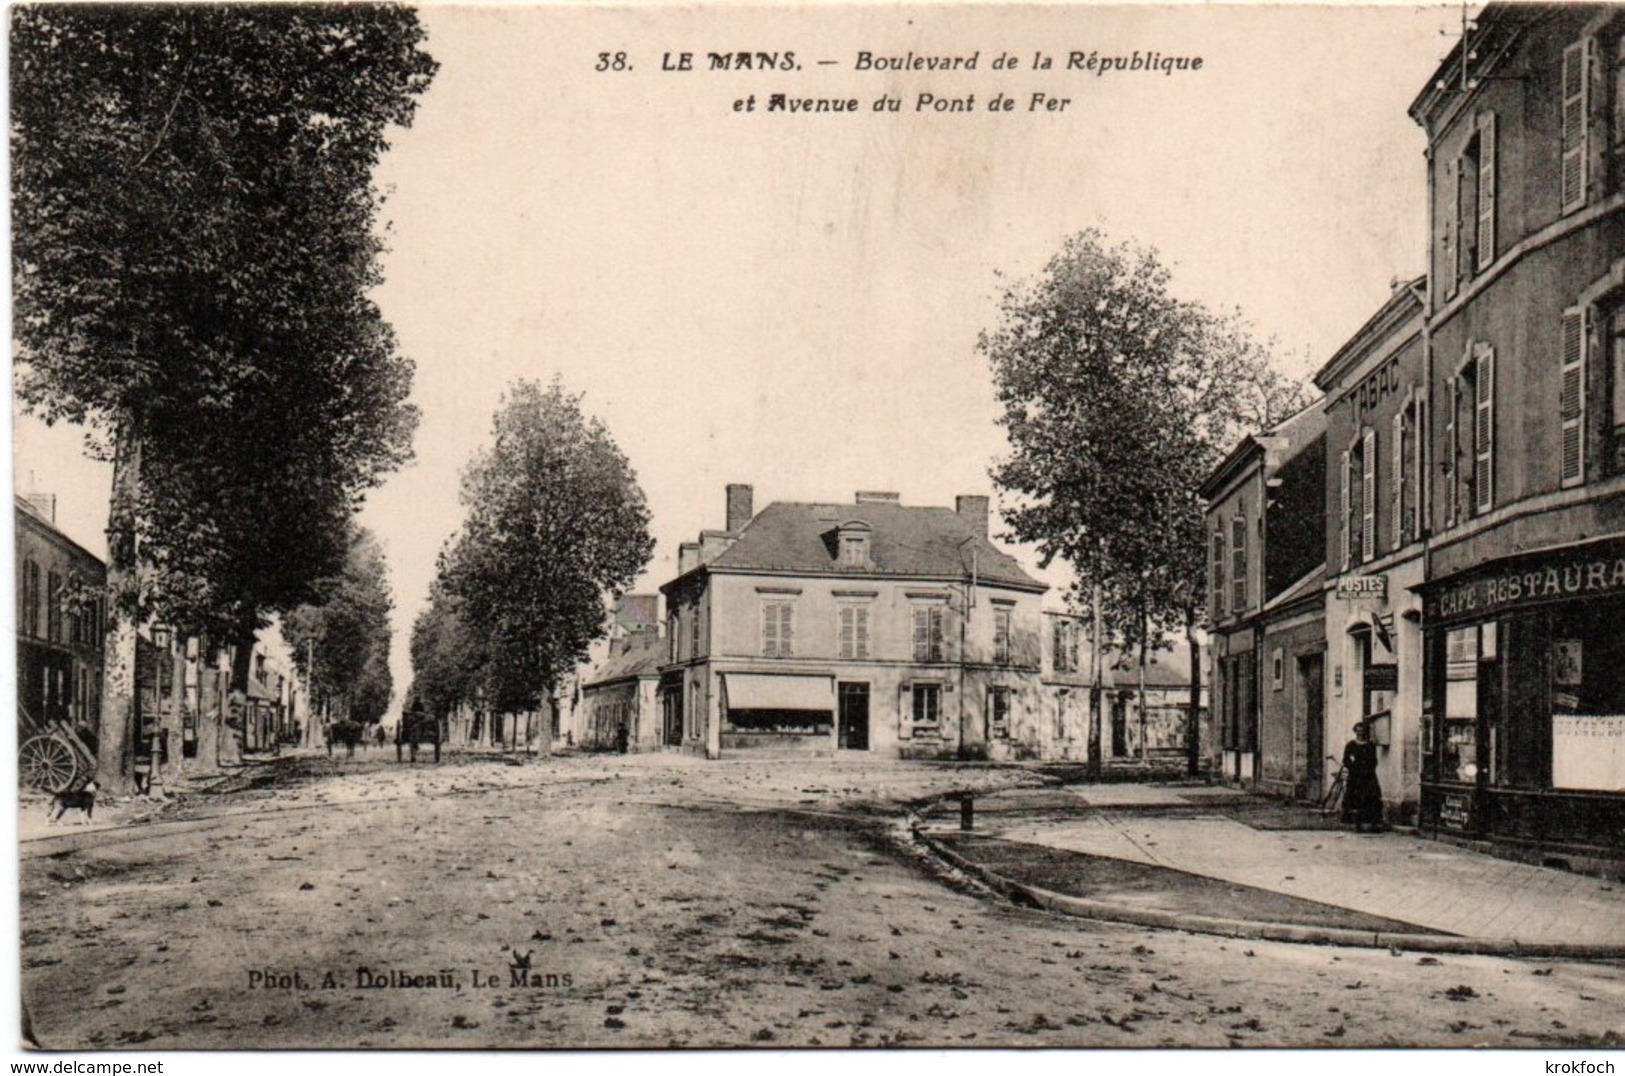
<point x="48" y="764"/>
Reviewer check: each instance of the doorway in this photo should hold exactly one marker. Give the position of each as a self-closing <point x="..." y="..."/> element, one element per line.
<point x="853" y="727"/>
<point x="1312" y="679"/>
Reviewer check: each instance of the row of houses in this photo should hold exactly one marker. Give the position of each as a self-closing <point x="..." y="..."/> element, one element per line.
<point x="1437" y="547"/>
<point x="185" y="710"/>
<point x="872" y="626"/>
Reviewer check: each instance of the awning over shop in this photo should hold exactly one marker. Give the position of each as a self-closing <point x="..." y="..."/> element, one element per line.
<point x="754" y="691"/>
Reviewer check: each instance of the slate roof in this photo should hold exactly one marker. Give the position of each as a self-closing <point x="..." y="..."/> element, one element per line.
<point x="799" y="538"/>
<point x="642" y="657"/>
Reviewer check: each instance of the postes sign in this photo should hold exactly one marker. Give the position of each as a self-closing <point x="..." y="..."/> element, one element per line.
<point x="1362" y="586"/>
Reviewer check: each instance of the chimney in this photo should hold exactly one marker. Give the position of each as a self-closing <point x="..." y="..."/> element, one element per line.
<point x="973" y="510"/>
<point x="872" y="496"/>
<point x="44" y="504"/>
<point x="740" y="498"/>
<point x="688" y="557"/>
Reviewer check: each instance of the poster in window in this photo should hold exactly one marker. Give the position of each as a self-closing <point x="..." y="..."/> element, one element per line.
<point x="1568" y="657"/>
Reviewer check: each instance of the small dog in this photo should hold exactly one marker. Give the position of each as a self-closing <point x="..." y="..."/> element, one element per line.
<point x="83" y="800"/>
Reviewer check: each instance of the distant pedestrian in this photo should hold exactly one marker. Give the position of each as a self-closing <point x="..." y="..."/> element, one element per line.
<point x="378" y="737"/>
<point x="1362" y="795"/>
<point x="623" y="737"/>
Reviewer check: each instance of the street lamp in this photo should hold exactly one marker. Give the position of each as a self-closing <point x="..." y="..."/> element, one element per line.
<point x="162" y="637"/>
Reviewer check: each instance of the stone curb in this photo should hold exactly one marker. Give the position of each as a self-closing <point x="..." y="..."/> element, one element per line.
<point x="1267" y="931"/>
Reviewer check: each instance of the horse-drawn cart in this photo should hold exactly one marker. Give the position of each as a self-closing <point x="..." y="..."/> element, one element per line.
<point x="54" y="756"/>
<point x="417" y="727"/>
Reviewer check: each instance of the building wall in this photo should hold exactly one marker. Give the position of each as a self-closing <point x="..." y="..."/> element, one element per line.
<point x="59" y="653"/>
<point x="1284" y="739"/>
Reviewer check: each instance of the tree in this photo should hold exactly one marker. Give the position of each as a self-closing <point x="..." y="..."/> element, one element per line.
<point x="448" y="667"/>
<point x="193" y="242"/>
<point x="556" y="522"/>
<point x="341" y="645"/>
<point x="1118" y="399"/>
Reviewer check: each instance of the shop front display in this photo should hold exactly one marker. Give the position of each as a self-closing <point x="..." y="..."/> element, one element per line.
<point x="1524" y="694"/>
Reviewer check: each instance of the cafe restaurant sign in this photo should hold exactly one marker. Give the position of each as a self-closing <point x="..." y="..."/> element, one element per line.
<point x="1574" y="574"/>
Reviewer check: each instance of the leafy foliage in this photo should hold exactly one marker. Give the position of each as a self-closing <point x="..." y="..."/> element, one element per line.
<point x="193" y="220"/>
<point x="348" y="633"/>
<point x="448" y="660"/>
<point x="556" y="521"/>
<point x="1118" y="399"/>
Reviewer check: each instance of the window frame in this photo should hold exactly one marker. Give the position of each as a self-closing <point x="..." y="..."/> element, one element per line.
<point x="777" y="624"/>
<point x="999" y="698"/>
<point x="918" y="693"/>
<point x="930" y="646"/>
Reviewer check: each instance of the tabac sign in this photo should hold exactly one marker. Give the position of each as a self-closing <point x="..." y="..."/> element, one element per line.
<point x="1574" y="574"/>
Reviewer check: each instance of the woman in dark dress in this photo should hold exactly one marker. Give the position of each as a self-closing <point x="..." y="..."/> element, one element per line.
<point x="1362" y="795"/>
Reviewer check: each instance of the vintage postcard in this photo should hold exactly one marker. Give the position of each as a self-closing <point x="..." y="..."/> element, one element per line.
<point x="778" y="526"/>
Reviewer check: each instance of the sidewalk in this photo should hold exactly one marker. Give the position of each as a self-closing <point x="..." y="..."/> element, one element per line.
<point x="1229" y="862"/>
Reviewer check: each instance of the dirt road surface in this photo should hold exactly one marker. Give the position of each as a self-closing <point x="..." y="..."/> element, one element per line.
<point x="654" y="901"/>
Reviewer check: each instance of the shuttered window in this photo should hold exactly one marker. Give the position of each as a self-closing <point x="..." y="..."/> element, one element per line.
<point x="1423" y="453"/>
<point x="1347" y="490"/>
<point x="854" y="632"/>
<point x="1001" y="636"/>
<point x="1238" y="564"/>
<point x="1576" y="104"/>
<point x="1218" y="572"/>
<point x="778" y="629"/>
<point x="1573" y="403"/>
<point x="1486" y="190"/>
<point x="1368" y="495"/>
<point x="1484" y="429"/>
<point x="1448" y="265"/>
<point x="928" y="633"/>
<point x="1399" y="452"/>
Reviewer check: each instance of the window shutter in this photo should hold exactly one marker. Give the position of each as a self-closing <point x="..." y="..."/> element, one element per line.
<point x="1424" y="477"/>
<point x="1576" y="123"/>
<point x="1397" y="501"/>
<point x="770" y="630"/>
<point x="1347" y="491"/>
<point x="848" y="631"/>
<point x="786" y="629"/>
<point x="1486" y="190"/>
<point x="860" y="630"/>
<point x="1574" y="396"/>
<point x="1368" y="495"/>
<point x="1447" y="237"/>
<point x="1238" y="564"/>
<point x="1484" y="432"/>
<point x="936" y="633"/>
<point x="1218" y="572"/>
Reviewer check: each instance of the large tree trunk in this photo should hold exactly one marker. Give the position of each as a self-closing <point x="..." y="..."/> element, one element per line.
<point x="1193" y="723"/>
<point x="115" y="754"/>
<point x="211" y="698"/>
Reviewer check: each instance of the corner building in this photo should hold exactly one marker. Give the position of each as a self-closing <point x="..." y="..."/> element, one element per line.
<point x="1523" y="617"/>
<point x="862" y="627"/>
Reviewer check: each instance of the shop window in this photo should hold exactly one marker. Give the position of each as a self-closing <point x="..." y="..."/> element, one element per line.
<point x="998" y="711"/>
<point x="1458" y="740"/>
<point x="1587" y="675"/>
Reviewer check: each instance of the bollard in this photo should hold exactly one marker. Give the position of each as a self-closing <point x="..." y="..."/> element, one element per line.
<point x="967" y="812"/>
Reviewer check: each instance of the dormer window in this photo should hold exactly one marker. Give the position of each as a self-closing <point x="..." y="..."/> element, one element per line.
<point x="852" y="544"/>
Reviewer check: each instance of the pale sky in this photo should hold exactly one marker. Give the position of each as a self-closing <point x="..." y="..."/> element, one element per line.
<point x="792" y="301"/>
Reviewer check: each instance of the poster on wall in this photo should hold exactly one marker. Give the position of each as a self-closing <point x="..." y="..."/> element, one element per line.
<point x="1568" y="662"/>
<point x="1588" y="752"/>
